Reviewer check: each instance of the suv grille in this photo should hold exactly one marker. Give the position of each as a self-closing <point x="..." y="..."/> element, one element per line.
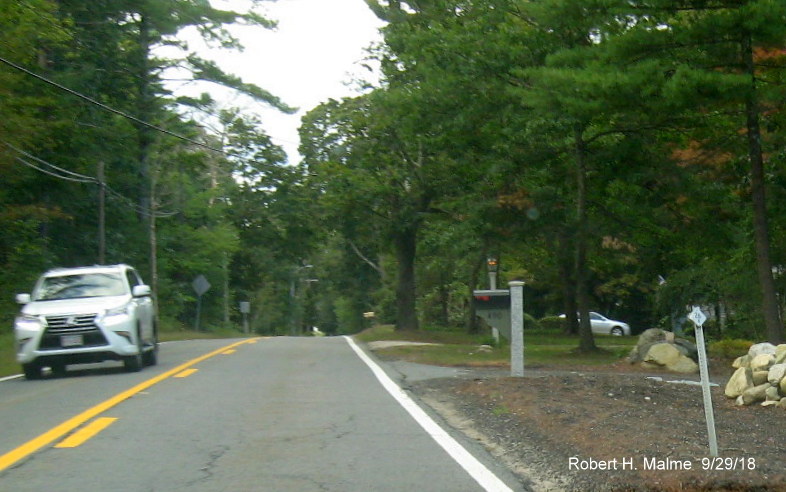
<point x="79" y="324"/>
<point x="71" y="323"/>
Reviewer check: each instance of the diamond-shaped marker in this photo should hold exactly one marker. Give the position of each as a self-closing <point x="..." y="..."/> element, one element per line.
<point x="697" y="316"/>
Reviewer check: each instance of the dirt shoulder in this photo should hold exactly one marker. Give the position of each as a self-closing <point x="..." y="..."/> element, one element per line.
<point x="608" y="429"/>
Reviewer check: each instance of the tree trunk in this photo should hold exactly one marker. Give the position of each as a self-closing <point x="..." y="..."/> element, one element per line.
<point x="586" y="339"/>
<point x="567" y="265"/>
<point x="472" y="318"/>
<point x="772" y="321"/>
<point x="406" y="314"/>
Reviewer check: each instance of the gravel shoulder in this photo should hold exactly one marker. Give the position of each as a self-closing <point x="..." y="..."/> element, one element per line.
<point x="607" y="429"/>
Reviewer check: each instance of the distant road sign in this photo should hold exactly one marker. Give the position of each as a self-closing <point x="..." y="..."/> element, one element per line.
<point x="697" y="316"/>
<point x="200" y="285"/>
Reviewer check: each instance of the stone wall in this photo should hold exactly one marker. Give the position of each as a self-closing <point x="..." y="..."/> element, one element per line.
<point x="760" y="376"/>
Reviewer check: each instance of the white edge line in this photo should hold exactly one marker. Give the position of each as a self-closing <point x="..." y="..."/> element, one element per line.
<point x="9" y="378"/>
<point x="464" y="458"/>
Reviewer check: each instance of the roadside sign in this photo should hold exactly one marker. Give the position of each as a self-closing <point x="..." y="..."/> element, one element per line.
<point x="200" y="285"/>
<point x="698" y="317"/>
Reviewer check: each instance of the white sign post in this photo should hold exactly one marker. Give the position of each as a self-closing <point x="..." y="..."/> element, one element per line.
<point x="698" y="318"/>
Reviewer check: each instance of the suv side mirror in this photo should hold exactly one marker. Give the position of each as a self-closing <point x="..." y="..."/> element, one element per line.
<point x="23" y="298"/>
<point x="140" y="291"/>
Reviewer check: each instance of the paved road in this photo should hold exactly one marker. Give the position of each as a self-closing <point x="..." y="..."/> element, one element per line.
<point x="279" y="414"/>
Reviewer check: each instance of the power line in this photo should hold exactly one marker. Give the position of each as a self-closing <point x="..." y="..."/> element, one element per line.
<point x="66" y="178"/>
<point x="74" y="176"/>
<point x="81" y="178"/>
<point x="109" y="108"/>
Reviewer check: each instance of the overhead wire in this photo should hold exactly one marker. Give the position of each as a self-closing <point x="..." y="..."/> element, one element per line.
<point x="81" y="178"/>
<point x="75" y="176"/>
<point x="66" y="178"/>
<point x="109" y="108"/>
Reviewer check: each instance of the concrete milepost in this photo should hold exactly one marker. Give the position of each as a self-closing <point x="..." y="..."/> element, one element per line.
<point x="516" y="328"/>
<point x="698" y="318"/>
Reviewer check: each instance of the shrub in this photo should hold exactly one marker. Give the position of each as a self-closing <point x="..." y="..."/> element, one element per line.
<point x="552" y="323"/>
<point x="729" y="349"/>
<point x="530" y="323"/>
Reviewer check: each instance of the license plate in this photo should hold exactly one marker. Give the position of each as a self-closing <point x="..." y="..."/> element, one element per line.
<point x="71" y="341"/>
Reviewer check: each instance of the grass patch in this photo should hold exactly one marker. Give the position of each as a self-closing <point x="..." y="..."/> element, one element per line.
<point x="388" y="332"/>
<point x="542" y="348"/>
<point x="8" y="364"/>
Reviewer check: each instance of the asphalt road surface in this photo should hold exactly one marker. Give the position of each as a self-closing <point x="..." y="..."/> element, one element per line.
<point x="274" y="414"/>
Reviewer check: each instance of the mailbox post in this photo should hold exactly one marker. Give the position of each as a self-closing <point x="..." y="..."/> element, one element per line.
<point x="493" y="306"/>
<point x="504" y="311"/>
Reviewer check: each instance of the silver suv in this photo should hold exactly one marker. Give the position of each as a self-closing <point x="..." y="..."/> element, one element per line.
<point x="86" y="314"/>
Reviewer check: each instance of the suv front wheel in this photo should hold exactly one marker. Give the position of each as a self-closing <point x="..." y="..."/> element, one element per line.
<point x="32" y="370"/>
<point x="150" y="358"/>
<point x="134" y="363"/>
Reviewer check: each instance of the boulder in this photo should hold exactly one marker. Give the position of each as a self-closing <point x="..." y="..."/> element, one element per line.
<point x="687" y="348"/>
<point x="646" y="340"/>
<point x="667" y="355"/>
<point x="762" y="362"/>
<point x="652" y="335"/>
<point x="780" y="353"/>
<point x="782" y="386"/>
<point x="776" y="373"/>
<point x="782" y="403"/>
<point x="772" y="394"/>
<point x="755" y="394"/>
<point x="663" y="354"/>
<point x="741" y="380"/>
<point x="742" y="361"/>
<point x="684" y="365"/>
<point x="761" y="348"/>
<point x="760" y="377"/>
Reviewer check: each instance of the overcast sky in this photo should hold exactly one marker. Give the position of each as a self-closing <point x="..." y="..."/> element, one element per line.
<point x="313" y="55"/>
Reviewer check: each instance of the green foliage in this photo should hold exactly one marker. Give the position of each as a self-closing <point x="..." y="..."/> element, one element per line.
<point x="348" y="319"/>
<point x="8" y="364"/>
<point x="583" y="142"/>
<point x="729" y="349"/>
<point x="554" y="323"/>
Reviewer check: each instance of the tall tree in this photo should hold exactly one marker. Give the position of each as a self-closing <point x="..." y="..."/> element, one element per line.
<point x="716" y="56"/>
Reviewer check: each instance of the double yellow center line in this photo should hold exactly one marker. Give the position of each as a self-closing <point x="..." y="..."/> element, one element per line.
<point x="69" y="425"/>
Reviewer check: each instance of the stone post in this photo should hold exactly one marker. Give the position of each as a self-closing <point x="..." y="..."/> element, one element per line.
<point x="516" y="329"/>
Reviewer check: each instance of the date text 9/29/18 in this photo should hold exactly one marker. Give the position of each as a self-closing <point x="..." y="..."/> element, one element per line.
<point x="668" y="464"/>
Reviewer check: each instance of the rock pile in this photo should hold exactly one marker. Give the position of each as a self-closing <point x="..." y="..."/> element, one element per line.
<point x="660" y="349"/>
<point x="760" y="376"/>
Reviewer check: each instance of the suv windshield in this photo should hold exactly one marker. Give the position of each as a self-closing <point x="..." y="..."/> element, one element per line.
<point x="82" y="285"/>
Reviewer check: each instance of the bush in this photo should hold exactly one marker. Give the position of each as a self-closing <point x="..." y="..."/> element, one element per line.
<point x="552" y="323"/>
<point x="729" y="349"/>
<point x="530" y="323"/>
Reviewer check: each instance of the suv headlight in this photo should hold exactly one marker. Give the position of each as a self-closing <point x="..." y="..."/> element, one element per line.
<point x="28" y="322"/>
<point x="116" y="315"/>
